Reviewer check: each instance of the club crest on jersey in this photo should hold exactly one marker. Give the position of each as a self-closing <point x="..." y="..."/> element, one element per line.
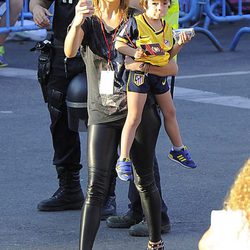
<point x="167" y="42"/>
<point x="139" y="79"/>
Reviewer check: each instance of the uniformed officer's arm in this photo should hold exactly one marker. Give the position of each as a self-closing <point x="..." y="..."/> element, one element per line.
<point x="75" y="34"/>
<point x="39" y="9"/>
<point x="170" y="69"/>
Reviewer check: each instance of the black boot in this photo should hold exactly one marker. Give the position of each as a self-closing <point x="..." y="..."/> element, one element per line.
<point x="69" y="195"/>
<point x="109" y="208"/>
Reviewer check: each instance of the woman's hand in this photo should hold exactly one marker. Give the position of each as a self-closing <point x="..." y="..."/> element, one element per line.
<point x="83" y="9"/>
<point x="132" y="65"/>
<point x="170" y="69"/>
<point x="139" y="53"/>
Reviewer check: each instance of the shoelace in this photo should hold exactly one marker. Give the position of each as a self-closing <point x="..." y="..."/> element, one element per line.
<point x="187" y="155"/>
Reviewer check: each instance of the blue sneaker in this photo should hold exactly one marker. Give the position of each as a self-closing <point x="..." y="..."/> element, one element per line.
<point x="182" y="157"/>
<point x="124" y="169"/>
<point x="3" y="62"/>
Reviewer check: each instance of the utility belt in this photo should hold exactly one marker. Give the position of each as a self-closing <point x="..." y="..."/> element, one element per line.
<point x="48" y="50"/>
<point x="44" y="64"/>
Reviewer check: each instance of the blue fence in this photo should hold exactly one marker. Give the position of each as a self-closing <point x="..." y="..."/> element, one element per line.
<point x="221" y="11"/>
<point x="192" y="12"/>
<point x="216" y="11"/>
<point x="24" y="15"/>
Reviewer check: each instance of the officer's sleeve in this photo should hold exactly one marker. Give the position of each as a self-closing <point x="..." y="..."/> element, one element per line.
<point x="128" y="33"/>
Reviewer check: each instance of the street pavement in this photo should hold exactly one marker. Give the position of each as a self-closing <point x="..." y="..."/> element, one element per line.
<point x="212" y="98"/>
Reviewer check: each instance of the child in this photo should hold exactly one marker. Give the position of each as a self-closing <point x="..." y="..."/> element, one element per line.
<point x="147" y="38"/>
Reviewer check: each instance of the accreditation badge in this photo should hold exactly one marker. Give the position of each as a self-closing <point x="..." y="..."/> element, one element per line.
<point x="106" y="85"/>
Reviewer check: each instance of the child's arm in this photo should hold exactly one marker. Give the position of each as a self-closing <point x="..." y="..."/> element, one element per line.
<point x="129" y="51"/>
<point x="125" y="49"/>
<point x="170" y="69"/>
<point x="183" y="39"/>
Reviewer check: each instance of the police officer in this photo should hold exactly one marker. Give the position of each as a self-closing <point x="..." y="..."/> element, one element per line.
<point x="66" y="143"/>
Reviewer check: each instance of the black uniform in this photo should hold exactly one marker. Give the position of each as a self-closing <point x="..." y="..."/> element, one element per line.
<point x="66" y="143"/>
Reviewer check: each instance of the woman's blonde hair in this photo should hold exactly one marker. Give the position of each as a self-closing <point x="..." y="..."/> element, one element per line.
<point x="238" y="197"/>
<point x="124" y="4"/>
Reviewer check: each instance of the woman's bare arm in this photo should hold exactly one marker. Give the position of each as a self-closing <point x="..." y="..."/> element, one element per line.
<point x="170" y="69"/>
<point x="75" y="34"/>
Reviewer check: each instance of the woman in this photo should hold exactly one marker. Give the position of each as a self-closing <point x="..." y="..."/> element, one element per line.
<point x="230" y="227"/>
<point x="96" y="27"/>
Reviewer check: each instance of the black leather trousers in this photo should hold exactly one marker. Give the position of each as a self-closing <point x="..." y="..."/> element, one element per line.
<point x="103" y="142"/>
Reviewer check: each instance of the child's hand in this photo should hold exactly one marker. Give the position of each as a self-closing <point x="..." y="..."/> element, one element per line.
<point x="83" y="9"/>
<point x="139" y="53"/>
<point x="184" y="38"/>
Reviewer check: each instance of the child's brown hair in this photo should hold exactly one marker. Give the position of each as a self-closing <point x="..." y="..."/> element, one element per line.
<point x="144" y="3"/>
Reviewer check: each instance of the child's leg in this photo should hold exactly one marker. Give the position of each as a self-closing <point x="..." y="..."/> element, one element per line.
<point x="179" y="153"/>
<point x="170" y="122"/>
<point x="136" y="103"/>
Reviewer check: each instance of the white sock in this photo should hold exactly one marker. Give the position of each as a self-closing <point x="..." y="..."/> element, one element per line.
<point x="178" y="148"/>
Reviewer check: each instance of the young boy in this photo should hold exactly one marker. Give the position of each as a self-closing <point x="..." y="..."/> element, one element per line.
<point x="147" y="38"/>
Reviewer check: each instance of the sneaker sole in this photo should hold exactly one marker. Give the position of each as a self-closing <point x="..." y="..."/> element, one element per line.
<point x="3" y="65"/>
<point x="121" y="225"/>
<point x="75" y="206"/>
<point x="105" y="216"/>
<point x="164" y="229"/>
<point x="180" y="163"/>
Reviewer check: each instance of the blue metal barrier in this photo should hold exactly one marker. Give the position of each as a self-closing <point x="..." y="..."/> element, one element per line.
<point x="215" y="11"/>
<point x="237" y="37"/>
<point x="24" y="15"/>
<point x="227" y="16"/>
<point x="191" y="12"/>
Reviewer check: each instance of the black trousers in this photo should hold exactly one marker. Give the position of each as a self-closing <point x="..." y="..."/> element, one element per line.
<point x="66" y="143"/>
<point x="135" y="201"/>
<point x="103" y="142"/>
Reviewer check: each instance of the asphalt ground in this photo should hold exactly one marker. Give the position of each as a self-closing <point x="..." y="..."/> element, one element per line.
<point x="212" y="98"/>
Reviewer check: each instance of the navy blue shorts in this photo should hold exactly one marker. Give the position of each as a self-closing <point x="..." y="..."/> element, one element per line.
<point x="140" y="83"/>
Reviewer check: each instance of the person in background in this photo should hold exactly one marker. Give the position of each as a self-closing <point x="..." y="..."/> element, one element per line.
<point x="66" y="143"/>
<point x="95" y="27"/>
<point x="230" y="227"/>
<point x="15" y="9"/>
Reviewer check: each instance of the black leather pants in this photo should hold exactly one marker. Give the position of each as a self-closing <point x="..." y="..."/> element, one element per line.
<point x="103" y="142"/>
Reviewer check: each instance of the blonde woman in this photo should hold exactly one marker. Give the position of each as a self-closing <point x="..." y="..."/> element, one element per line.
<point x="95" y="26"/>
<point x="230" y="227"/>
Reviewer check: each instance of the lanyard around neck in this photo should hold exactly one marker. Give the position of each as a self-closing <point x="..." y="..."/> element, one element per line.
<point x="109" y="45"/>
